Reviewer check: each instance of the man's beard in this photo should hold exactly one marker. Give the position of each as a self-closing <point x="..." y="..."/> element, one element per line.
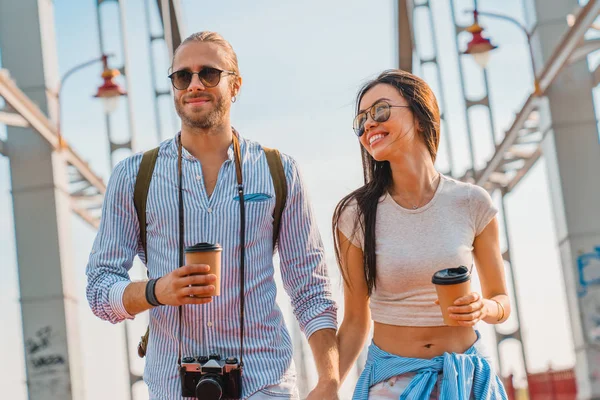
<point x="213" y="118"/>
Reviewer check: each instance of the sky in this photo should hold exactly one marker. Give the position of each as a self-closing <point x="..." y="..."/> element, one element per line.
<point x="302" y="64"/>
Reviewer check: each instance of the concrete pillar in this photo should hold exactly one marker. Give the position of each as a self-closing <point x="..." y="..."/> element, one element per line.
<point x="41" y="210"/>
<point x="572" y="152"/>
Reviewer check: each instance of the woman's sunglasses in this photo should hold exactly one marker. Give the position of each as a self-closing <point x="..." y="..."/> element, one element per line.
<point x="210" y="77"/>
<point x="379" y="112"/>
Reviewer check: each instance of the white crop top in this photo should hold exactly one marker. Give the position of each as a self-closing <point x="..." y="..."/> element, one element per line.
<point x="411" y="245"/>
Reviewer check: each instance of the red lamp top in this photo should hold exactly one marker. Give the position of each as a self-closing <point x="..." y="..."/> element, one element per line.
<point x="109" y="88"/>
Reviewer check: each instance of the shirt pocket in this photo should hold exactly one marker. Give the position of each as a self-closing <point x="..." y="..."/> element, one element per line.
<point x="259" y="219"/>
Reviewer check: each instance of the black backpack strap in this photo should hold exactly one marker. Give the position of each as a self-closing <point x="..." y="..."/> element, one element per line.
<point x="140" y="193"/>
<point x="140" y="197"/>
<point x="280" y="184"/>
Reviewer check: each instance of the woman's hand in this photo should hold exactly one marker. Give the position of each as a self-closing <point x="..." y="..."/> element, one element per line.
<point x="469" y="310"/>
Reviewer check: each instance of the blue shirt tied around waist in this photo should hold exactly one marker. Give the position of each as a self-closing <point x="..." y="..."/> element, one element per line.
<point x="463" y="374"/>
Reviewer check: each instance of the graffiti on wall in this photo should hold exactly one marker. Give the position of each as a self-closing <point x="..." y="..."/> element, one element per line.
<point x="42" y="356"/>
<point x="588" y="269"/>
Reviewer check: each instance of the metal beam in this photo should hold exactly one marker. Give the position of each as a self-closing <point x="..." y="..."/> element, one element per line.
<point x="405" y="35"/>
<point x="172" y="22"/>
<point x="559" y="58"/>
<point x="12" y="119"/>
<point x="86" y="206"/>
<point x="569" y="43"/>
<point x="586" y="47"/>
<point x="596" y="76"/>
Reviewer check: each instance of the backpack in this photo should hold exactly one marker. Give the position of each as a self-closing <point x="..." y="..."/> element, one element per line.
<point x="140" y="197"/>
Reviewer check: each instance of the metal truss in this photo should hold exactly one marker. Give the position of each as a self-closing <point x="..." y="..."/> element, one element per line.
<point x="86" y="189"/>
<point x="124" y="69"/>
<point x="172" y="21"/>
<point x="434" y="62"/>
<point x="521" y="146"/>
<point x="484" y="103"/>
<point x="171" y="36"/>
<point x="170" y="17"/>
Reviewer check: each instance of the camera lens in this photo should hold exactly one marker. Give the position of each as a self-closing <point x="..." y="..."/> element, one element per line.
<point x="209" y="388"/>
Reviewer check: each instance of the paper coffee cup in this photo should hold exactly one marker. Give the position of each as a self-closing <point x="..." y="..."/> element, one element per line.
<point x="450" y="285"/>
<point x="209" y="254"/>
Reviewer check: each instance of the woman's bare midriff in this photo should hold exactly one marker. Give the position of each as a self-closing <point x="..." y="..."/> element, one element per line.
<point x="423" y="342"/>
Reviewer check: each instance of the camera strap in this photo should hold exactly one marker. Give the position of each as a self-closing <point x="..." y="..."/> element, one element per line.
<point x="240" y="189"/>
<point x="238" y="173"/>
<point x="181" y="236"/>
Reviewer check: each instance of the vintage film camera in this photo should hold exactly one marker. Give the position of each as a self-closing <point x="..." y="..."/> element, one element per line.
<point x="211" y="378"/>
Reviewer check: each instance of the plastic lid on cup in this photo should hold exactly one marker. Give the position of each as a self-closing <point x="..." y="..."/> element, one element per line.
<point x="200" y="247"/>
<point x="451" y="276"/>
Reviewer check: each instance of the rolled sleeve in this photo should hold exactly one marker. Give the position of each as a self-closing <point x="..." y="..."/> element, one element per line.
<point x="327" y="320"/>
<point x="115" y="300"/>
<point x="115" y="247"/>
<point x="303" y="268"/>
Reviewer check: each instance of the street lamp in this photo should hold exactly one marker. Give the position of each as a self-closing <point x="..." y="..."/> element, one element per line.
<point x="109" y="92"/>
<point x="480" y="47"/>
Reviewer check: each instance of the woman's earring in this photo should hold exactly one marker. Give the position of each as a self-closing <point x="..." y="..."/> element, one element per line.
<point x="233" y="99"/>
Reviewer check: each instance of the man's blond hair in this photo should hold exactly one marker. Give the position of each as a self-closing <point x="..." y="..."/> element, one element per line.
<point x="213" y="37"/>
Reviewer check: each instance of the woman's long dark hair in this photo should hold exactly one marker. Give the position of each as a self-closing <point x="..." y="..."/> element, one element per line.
<point x="378" y="174"/>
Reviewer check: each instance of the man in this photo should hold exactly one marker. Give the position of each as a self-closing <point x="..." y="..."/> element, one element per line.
<point x="212" y="214"/>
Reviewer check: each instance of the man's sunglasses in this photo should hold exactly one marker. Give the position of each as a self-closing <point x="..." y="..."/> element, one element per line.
<point x="210" y="77"/>
<point x="379" y="112"/>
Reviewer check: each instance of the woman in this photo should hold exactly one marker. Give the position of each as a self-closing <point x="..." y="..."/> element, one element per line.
<point x="392" y="234"/>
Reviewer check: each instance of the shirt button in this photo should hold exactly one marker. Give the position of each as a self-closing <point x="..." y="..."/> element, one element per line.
<point x="209" y="209"/>
<point x="209" y="323"/>
<point x="198" y="178"/>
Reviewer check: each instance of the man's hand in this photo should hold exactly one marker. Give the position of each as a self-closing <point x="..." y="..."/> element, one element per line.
<point x="323" y="344"/>
<point x="189" y="284"/>
<point x="324" y="391"/>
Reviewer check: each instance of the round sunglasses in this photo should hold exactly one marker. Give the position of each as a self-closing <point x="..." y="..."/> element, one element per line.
<point x="209" y="77"/>
<point x="379" y="112"/>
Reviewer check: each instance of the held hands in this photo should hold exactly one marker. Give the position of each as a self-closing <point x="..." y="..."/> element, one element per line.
<point x="324" y="391"/>
<point x="175" y="288"/>
<point x="468" y="310"/>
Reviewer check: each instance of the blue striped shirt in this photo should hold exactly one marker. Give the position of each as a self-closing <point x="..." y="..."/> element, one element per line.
<point x="214" y="327"/>
<point x="465" y="376"/>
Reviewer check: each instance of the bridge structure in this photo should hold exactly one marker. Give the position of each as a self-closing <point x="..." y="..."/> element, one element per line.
<point x="557" y="121"/>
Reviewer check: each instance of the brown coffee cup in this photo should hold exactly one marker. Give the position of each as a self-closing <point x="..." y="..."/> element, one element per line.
<point x="209" y="254"/>
<point x="450" y="285"/>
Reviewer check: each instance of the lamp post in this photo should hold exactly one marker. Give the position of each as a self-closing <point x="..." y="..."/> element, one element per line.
<point x="480" y="47"/>
<point x="109" y="92"/>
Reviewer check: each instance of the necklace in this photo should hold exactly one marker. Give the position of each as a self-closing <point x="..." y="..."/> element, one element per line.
<point x="419" y="204"/>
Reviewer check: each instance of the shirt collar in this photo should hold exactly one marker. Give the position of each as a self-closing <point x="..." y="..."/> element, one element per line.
<point x="188" y="156"/>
